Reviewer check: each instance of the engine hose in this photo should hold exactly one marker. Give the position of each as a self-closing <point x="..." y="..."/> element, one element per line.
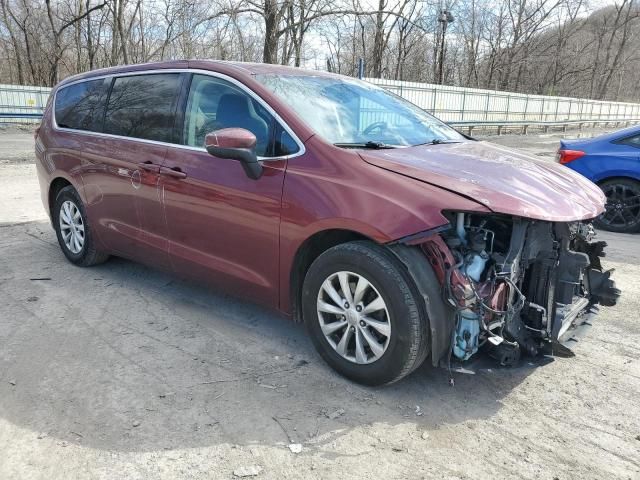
<point x="483" y="305"/>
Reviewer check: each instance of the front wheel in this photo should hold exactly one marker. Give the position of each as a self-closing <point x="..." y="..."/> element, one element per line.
<point x="622" y="211"/>
<point x="362" y="313"/>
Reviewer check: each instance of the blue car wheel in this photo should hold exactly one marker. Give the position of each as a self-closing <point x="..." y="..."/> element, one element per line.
<point x="622" y="211"/>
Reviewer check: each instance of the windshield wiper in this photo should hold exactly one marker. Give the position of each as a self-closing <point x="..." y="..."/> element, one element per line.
<point x="437" y="141"/>
<point x="370" y="144"/>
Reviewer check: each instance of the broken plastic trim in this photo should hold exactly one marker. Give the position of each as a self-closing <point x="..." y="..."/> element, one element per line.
<point x="420" y="237"/>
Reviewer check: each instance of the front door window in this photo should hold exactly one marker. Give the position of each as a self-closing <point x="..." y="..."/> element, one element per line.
<point x="215" y="103"/>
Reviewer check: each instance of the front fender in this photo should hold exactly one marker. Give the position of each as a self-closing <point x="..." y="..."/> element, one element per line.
<point x="340" y="191"/>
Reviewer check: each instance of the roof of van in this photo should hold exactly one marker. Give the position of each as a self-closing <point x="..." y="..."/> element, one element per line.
<point x="247" y="68"/>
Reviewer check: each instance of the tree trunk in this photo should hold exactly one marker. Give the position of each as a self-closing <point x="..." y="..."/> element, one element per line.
<point x="14" y="43"/>
<point x="270" y="50"/>
<point x="123" y="38"/>
<point x="378" y="41"/>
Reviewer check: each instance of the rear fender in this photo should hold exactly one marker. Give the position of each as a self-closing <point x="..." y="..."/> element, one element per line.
<point x="617" y="173"/>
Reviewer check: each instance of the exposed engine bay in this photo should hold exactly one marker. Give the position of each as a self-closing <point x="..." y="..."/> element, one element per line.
<point x="517" y="286"/>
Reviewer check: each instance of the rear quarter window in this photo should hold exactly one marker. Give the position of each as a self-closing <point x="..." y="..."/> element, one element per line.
<point x="81" y="106"/>
<point x="633" y="141"/>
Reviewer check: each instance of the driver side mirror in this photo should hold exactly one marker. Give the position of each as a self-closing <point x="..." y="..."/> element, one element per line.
<point x="235" y="144"/>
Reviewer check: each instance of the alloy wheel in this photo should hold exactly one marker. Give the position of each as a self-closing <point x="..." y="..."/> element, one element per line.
<point x="353" y="317"/>
<point x="71" y="227"/>
<point x="623" y="205"/>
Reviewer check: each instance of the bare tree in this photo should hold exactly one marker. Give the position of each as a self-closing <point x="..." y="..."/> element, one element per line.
<point x="541" y="46"/>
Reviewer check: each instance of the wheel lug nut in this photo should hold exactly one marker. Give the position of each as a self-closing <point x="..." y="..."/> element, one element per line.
<point x="346" y="304"/>
<point x="362" y="324"/>
<point x="359" y="308"/>
<point x="353" y="329"/>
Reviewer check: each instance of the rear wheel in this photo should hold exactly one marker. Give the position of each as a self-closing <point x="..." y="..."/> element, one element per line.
<point x="361" y="311"/>
<point x="73" y="232"/>
<point x="622" y="211"/>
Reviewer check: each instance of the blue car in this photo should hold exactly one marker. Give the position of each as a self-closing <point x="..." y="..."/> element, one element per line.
<point x="613" y="162"/>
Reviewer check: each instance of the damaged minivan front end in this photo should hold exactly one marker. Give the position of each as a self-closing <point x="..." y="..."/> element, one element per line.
<point x="512" y="285"/>
<point x="521" y="278"/>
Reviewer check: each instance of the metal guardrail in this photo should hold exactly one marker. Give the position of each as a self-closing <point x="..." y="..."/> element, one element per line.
<point x="21" y="115"/>
<point x="463" y="104"/>
<point x="525" y="125"/>
<point x="20" y="118"/>
<point x="22" y="104"/>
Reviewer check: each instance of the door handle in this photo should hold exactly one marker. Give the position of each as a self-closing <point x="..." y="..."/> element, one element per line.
<point x="174" y="172"/>
<point x="149" y="166"/>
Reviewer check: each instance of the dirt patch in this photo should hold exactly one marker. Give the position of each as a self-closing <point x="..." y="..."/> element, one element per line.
<point x="16" y="144"/>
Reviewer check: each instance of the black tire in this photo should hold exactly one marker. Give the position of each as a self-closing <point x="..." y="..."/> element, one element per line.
<point x="88" y="255"/>
<point x="408" y="342"/>
<point x="622" y="213"/>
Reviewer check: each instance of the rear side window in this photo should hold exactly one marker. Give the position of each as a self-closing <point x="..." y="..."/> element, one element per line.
<point x="81" y="106"/>
<point x="633" y="141"/>
<point x="143" y="106"/>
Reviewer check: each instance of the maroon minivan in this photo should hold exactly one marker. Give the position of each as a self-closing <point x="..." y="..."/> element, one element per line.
<point x="392" y="236"/>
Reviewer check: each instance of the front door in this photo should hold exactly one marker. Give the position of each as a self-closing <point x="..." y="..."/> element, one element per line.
<point x="223" y="226"/>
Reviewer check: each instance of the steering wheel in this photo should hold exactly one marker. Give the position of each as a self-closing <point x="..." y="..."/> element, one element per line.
<point x="375" y="126"/>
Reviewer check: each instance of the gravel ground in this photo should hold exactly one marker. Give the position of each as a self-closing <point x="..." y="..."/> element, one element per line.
<point x="120" y="371"/>
<point x="16" y="144"/>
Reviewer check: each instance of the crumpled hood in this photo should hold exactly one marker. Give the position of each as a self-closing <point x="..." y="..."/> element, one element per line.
<point x="501" y="179"/>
